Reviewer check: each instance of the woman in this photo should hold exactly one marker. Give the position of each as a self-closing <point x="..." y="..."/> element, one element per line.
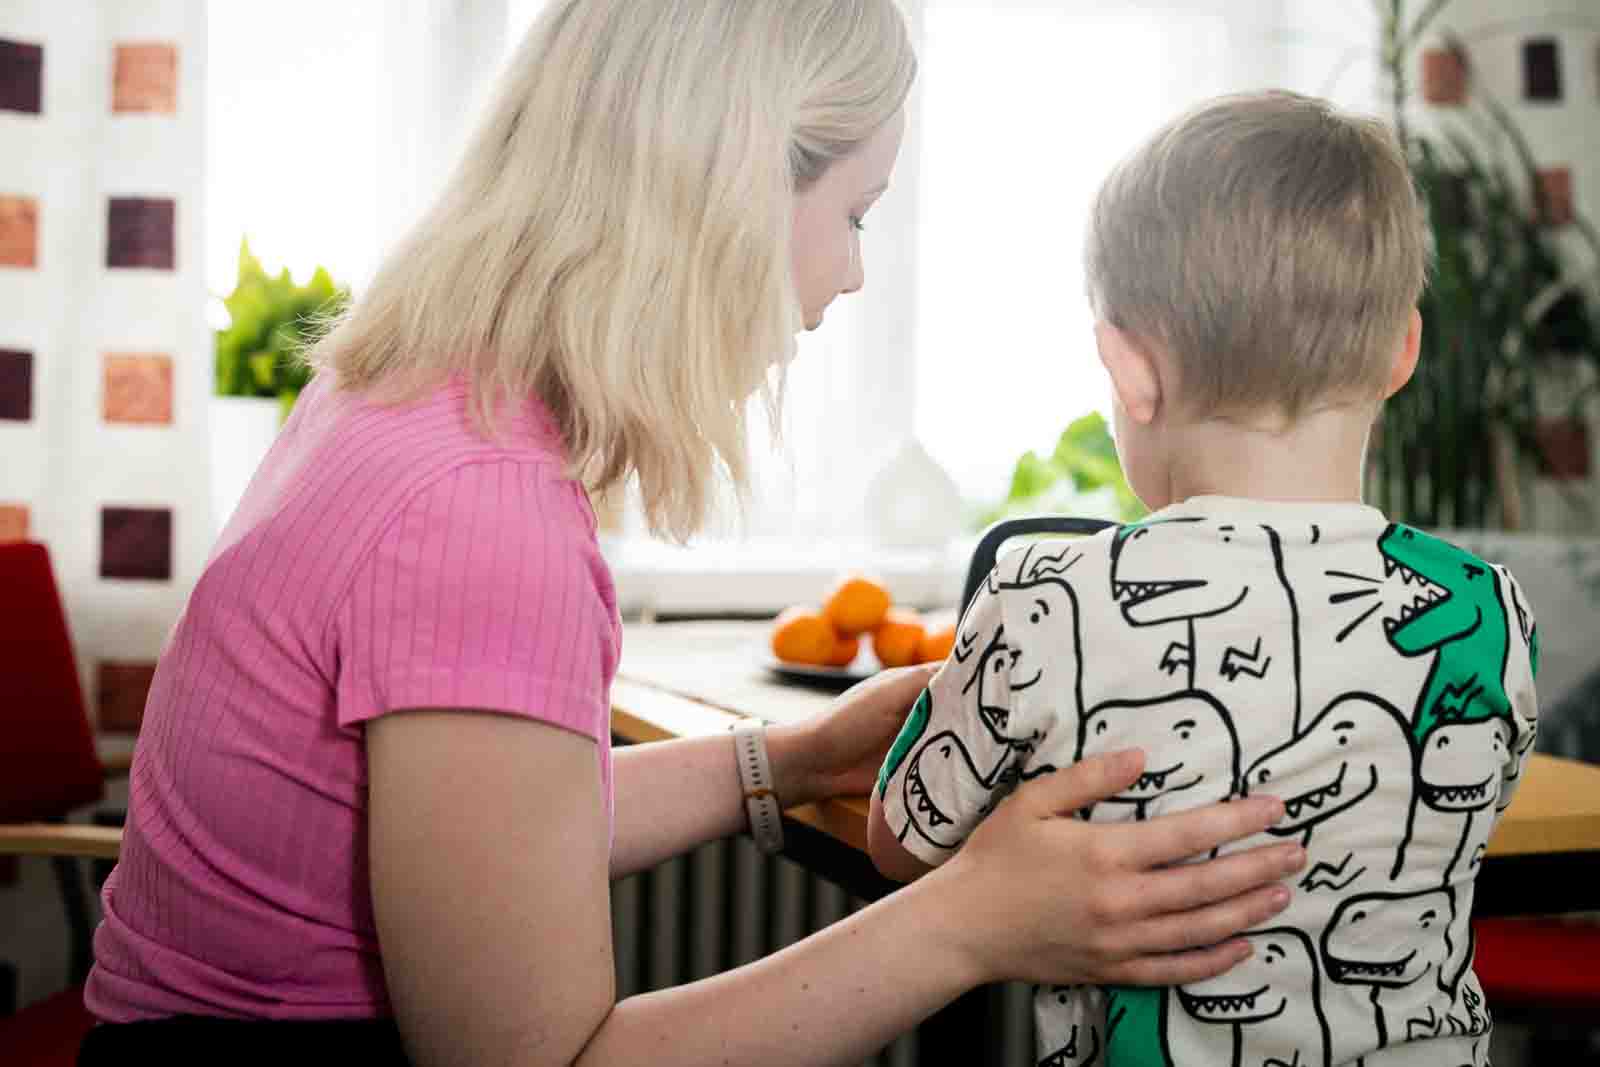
<point x="375" y="779"/>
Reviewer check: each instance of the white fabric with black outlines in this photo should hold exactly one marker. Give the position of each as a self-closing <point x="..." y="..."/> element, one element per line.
<point x="1378" y="679"/>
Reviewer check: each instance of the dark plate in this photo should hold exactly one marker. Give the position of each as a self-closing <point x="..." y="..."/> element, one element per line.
<point x="834" y="679"/>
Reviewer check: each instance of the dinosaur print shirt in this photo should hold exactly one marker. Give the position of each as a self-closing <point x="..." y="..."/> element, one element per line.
<point x="1376" y="678"/>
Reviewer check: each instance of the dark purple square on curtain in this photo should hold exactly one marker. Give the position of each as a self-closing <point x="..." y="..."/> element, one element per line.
<point x="140" y="233"/>
<point x="16" y="385"/>
<point x="136" y="543"/>
<point x="21" y="77"/>
<point x="1541" y="69"/>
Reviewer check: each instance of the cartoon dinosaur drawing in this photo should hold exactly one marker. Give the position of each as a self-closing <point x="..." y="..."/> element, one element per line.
<point x="1191" y="745"/>
<point x="1524" y="745"/>
<point x="1148" y="580"/>
<point x="969" y="767"/>
<point x="1458" y="781"/>
<point x="1471" y="1020"/>
<point x="1278" y="984"/>
<point x="1451" y="607"/>
<point x="1459" y="775"/>
<point x="916" y="725"/>
<point x="1136" y="1026"/>
<point x="1069" y="1024"/>
<point x="1389" y="941"/>
<point x="1357" y="757"/>
<point x="1042" y="632"/>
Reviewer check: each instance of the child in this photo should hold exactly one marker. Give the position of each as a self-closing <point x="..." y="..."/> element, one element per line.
<point x="1254" y="270"/>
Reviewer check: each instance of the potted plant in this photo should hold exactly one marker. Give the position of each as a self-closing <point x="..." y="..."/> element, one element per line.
<point x="1081" y="477"/>
<point x="259" y="367"/>
<point x="1510" y="334"/>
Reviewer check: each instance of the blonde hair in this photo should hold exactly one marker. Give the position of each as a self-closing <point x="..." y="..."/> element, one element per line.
<point x="1270" y="245"/>
<point x="616" y="240"/>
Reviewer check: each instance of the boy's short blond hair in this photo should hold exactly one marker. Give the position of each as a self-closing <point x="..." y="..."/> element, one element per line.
<point x="1271" y="245"/>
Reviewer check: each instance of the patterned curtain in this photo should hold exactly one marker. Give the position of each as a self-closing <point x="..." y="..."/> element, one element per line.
<point x="104" y="352"/>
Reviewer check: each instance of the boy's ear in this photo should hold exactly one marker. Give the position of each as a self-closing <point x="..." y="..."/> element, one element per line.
<point x="1134" y="377"/>
<point x="1405" y="360"/>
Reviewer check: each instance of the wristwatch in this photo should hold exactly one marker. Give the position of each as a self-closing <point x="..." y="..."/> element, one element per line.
<point x="755" y="778"/>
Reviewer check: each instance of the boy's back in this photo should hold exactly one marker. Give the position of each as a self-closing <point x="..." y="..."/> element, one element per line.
<point x="1375" y="678"/>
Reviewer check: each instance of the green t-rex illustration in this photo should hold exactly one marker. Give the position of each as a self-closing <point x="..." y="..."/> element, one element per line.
<point x="916" y="725"/>
<point x="1456" y="610"/>
<point x="1136" y="1027"/>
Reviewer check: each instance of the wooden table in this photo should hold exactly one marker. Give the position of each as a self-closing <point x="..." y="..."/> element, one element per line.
<point x="687" y="679"/>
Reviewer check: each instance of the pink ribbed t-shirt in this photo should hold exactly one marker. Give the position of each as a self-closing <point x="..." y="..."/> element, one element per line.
<point x="381" y="559"/>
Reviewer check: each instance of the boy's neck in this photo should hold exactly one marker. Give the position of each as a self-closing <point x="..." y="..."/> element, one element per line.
<point x="1319" y="457"/>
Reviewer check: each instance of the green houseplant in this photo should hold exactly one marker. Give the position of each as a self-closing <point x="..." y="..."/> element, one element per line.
<point x="1082" y="476"/>
<point x="272" y="321"/>
<point x="1503" y="308"/>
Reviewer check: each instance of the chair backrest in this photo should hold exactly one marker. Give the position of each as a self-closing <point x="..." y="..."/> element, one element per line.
<point x="994" y="538"/>
<point x="48" y="764"/>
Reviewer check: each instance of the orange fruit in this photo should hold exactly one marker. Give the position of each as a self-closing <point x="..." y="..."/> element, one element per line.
<point x="856" y="605"/>
<point x="804" y="635"/>
<point x="845" y="650"/>
<point x="897" y="638"/>
<point x="936" y="644"/>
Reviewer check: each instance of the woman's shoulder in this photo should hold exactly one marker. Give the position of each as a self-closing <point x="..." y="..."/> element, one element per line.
<point x="348" y="472"/>
<point x="389" y="454"/>
<point x="440" y="424"/>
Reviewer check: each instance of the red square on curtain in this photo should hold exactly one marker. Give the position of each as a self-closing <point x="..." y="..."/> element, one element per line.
<point x="140" y="233"/>
<point x="1444" y="76"/>
<point x="1555" y="196"/>
<point x="19" y="231"/>
<point x="138" y="388"/>
<point x="146" y="78"/>
<point x="121" y="690"/>
<point x="13" y="523"/>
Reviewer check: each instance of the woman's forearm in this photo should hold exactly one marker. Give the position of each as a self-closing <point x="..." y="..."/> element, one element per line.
<point x="833" y="998"/>
<point x="671" y="796"/>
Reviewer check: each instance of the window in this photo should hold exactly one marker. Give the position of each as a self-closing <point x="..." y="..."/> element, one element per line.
<point x="1025" y="108"/>
<point x="292" y="144"/>
<point x="973" y="334"/>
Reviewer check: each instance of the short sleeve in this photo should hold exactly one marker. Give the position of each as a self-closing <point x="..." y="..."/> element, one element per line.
<point x="954" y="760"/>
<point x="487" y="592"/>
<point x="1522" y="667"/>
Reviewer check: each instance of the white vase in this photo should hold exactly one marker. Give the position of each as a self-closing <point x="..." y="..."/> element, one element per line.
<point x="912" y="502"/>
<point x="242" y="430"/>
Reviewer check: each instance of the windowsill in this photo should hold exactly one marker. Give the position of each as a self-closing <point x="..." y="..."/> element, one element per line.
<point x="762" y="577"/>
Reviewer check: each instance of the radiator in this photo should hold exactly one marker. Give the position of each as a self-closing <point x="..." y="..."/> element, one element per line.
<point x="726" y="904"/>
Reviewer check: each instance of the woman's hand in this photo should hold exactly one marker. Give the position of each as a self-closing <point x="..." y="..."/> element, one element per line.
<point x="838" y="751"/>
<point x="1042" y="896"/>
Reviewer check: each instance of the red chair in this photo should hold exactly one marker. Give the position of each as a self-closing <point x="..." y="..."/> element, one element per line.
<point x="48" y="768"/>
<point x="1544" y="967"/>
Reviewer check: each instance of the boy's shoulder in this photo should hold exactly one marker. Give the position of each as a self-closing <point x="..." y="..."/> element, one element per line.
<point x="1075" y="563"/>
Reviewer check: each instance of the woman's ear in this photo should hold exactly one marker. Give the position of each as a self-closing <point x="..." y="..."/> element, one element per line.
<point x="1405" y="359"/>
<point x="1134" y="376"/>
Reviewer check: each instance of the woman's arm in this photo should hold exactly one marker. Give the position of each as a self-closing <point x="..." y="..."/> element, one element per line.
<point x="674" y="795"/>
<point x="489" y="881"/>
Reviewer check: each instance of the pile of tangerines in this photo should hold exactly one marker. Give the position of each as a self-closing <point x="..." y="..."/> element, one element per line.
<point x="858" y="608"/>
